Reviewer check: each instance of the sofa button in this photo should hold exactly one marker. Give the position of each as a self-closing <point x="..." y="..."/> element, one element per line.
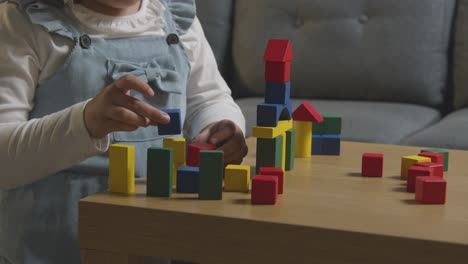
<point x="299" y="22"/>
<point x="363" y="19"/>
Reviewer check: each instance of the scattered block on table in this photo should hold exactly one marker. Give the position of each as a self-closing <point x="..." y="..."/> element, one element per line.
<point x="122" y="169"/>
<point x="331" y="145"/>
<point x="331" y="125"/>
<point x="372" y="165"/>
<point x="413" y="173"/>
<point x="179" y="154"/>
<point x="440" y="151"/>
<point x="409" y="161"/>
<point x="436" y="167"/>
<point x="435" y="157"/>
<point x="277" y="172"/>
<point x="306" y="112"/>
<point x="159" y="172"/>
<point x="303" y="142"/>
<point x="290" y="149"/>
<point x="269" y="152"/>
<point x="264" y="189"/>
<point x="268" y="115"/>
<point x="193" y="153"/>
<point x="278" y="93"/>
<point x="317" y="144"/>
<point x="175" y="125"/>
<point x="187" y="179"/>
<point x="277" y="71"/>
<point x="211" y="175"/>
<point x="237" y="178"/>
<point x="431" y="190"/>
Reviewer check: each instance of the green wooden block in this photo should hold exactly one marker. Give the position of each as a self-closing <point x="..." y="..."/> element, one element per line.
<point x="331" y="125"/>
<point x="159" y="172"/>
<point x="290" y="149"/>
<point x="211" y="175"/>
<point x="441" y="151"/>
<point x="269" y="152"/>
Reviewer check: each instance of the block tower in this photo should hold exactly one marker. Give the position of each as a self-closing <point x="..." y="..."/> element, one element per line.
<point x="274" y="131"/>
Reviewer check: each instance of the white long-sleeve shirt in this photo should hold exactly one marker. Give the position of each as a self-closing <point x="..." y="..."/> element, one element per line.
<point x="29" y="55"/>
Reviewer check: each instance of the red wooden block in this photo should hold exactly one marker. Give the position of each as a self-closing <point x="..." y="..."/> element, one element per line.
<point x="435" y="157"/>
<point x="437" y="167"/>
<point x="306" y="112"/>
<point x="264" y="189"/>
<point x="431" y="190"/>
<point x="193" y="153"/>
<point x="278" y="172"/>
<point x="278" y="50"/>
<point x="413" y="173"/>
<point x="277" y="71"/>
<point x="372" y="165"/>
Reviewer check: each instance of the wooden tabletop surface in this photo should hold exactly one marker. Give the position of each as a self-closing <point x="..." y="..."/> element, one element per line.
<point x="328" y="212"/>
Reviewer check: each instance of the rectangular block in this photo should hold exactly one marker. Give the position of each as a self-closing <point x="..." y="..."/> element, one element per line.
<point x="264" y="189"/>
<point x="211" y="175"/>
<point x="159" y="172"/>
<point x="290" y="149"/>
<point x="317" y="144"/>
<point x="272" y="132"/>
<point x="193" y="153"/>
<point x="331" y="145"/>
<point x="122" y="169"/>
<point x="277" y="172"/>
<point x="431" y="190"/>
<point x="303" y="139"/>
<point x="268" y="115"/>
<point x="237" y="178"/>
<point x="413" y="173"/>
<point x="269" y="152"/>
<point x="278" y="93"/>
<point x="409" y="161"/>
<point x="277" y="71"/>
<point x="175" y="125"/>
<point x="441" y="151"/>
<point x="331" y="124"/>
<point x="178" y="148"/>
<point x="372" y="165"/>
<point x="188" y="179"/>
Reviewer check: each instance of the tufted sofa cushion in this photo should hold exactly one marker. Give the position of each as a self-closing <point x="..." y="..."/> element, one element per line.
<point x="461" y="55"/>
<point x="386" y="50"/>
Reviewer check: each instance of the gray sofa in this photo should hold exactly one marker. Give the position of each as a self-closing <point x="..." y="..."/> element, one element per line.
<point x="397" y="71"/>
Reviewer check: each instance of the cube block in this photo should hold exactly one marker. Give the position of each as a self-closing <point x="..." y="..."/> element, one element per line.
<point x="159" y="170"/>
<point x="277" y="71"/>
<point x="413" y="173"/>
<point x="268" y="115"/>
<point x="237" y="178"/>
<point x="372" y="165"/>
<point x="187" y="179"/>
<point x="436" y="167"/>
<point x="277" y="172"/>
<point x="331" y="124"/>
<point x="409" y="161"/>
<point x="440" y="151"/>
<point x="175" y="125"/>
<point x="193" y="153"/>
<point x="278" y="93"/>
<point x="431" y="190"/>
<point x="317" y="144"/>
<point x="122" y="169"/>
<point x="264" y="189"/>
<point x="435" y="157"/>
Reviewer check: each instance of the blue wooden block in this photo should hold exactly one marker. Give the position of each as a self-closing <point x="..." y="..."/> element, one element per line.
<point x="175" y="126"/>
<point x="268" y="114"/>
<point x="317" y="142"/>
<point x="187" y="179"/>
<point x="331" y="144"/>
<point x="278" y="93"/>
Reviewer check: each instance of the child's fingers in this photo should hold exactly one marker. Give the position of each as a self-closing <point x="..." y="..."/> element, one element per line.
<point x="142" y="108"/>
<point x="120" y="126"/>
<point x="123" y="115"/>
<point x="131" y="82"/>
<point x="222" y="131"/>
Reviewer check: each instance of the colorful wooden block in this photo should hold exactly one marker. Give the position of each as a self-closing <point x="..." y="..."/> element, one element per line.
<point x="303" y="146"/>
<point x="268" y="115"/>
<point x="237" y="178"/>
<point x="272" y="132"/>
<point x="277" y="71"/>
<point x="269" y="152"/>
<point x="431" y="190"/>
<point x="317" y="144"/>
<point x="277" y="172"/>
<point x="175" y="125"/>
<point x="193" y="153"/>
<point x="331" y="145"/>
<point x="331" y="125"/>
<point x="435" y="157"/>
<point x="440" y="151"/>
<point x="278" y="93"/>
<point x="409" y="161"/>
<point x="372" y="165"/>
<point x="413" y="173"/>
<point x="122" y="169"/>
<point x="264" y="189"/>
<point x="178" y="147"/>
<point x="279" y="50"/>
<point x="159" y="172"/>
<point x="211" y="175"/>
<point x="436" y="167"/>
<point x="187" y="179"/>
<point x="306" y="112"/>
<point x="290" y="149"/>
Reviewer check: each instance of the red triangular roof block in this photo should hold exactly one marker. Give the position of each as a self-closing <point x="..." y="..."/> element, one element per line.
<point x="278" y="50"/>
<point x="306" y="112"/>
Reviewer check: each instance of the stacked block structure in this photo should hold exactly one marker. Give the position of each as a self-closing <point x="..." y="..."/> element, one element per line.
<point x="304" y="116"/>
<point x="326" y="136"/>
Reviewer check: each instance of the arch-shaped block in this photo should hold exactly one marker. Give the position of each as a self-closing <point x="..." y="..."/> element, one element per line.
<point x="268" y="115"/>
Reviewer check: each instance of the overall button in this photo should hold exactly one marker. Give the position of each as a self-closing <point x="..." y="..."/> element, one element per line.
<point x="172" y="39"/>
<point x="85" y="41"/>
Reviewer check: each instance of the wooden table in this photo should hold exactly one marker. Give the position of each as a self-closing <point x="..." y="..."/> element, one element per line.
<point x="328" y="214"/>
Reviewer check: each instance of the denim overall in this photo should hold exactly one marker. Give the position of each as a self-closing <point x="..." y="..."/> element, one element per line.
<point x="39" y="221"/>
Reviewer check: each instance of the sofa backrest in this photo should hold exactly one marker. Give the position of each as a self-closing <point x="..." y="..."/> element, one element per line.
<point x="461" y="56"/>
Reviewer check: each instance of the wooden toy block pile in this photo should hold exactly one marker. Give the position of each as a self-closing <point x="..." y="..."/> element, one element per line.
<point x="423" y="173"/>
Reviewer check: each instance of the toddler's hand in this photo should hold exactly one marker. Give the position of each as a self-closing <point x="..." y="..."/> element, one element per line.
<point x="228" y="137"/>
<point x="113" y="109"/>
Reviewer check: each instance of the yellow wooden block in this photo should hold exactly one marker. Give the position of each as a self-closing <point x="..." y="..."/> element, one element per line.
<point x="237" y="178"/>
<point x="303" y="139"/>
<point x="122" y="169"/>
<point x="178" y="148"/>
<point x="408" y="161"/>
<point x="272" y="132"/>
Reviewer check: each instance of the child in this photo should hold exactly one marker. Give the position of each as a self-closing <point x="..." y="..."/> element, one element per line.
<point x="78" y="76"/>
